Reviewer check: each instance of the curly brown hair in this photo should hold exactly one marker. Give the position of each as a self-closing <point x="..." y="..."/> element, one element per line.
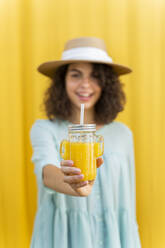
<point x="111" y="102"/>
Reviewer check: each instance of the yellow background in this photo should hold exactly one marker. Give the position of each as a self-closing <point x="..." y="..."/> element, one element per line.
<point x="32" y="32"/>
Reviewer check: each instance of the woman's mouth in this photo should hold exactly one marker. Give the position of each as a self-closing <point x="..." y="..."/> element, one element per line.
<point x="84" y="97"/>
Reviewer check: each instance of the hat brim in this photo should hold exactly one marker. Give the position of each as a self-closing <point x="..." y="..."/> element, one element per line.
<point x="49" y="68"/>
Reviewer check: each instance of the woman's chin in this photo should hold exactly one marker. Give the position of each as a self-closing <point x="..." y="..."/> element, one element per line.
<point x="87" y="105"/>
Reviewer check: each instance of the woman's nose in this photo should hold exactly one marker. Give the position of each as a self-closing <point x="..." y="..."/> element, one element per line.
<point x="86" y="82"/>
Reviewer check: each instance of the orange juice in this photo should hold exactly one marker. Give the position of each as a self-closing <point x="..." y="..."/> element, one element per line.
<point x="84" y="156"/>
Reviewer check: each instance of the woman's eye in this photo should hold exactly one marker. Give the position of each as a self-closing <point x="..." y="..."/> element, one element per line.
<point x="74" y="75"/>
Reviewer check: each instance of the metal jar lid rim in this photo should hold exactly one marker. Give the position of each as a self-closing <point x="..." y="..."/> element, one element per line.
<point x="80" y="127"/>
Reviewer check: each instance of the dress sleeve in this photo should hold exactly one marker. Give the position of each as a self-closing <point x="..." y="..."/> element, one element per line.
<point x="44" y="150"/>
<point x="128" y="220"/>
<point x="132" y="176"/>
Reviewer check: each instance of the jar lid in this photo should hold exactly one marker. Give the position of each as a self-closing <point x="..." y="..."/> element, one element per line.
<point x="80" y="127"/>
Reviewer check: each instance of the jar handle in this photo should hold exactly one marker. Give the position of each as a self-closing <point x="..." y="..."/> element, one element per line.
<point x="99" y="145"/>
<point x="63" y="149"/>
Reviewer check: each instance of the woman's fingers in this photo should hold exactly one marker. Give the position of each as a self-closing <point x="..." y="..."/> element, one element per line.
<point x="70" y="170"/>
<point x="66" y="163"/>
<point x="73" y="179"/>
<point x="73" y="176"/>
<point x="79" y="185"/>
<point x="99" y="162"/>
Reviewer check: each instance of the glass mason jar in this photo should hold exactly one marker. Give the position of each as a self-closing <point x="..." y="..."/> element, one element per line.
<point x="83" y="146"/>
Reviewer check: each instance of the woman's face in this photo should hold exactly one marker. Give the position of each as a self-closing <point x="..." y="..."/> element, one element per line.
<point x="82" y="86"/>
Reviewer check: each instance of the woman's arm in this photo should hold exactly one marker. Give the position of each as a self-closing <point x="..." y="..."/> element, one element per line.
<point x="62" y="181"/>
<point x="54" y="178"/>
<point x="50" y="173"/>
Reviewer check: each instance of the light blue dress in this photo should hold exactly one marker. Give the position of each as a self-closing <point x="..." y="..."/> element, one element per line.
<point x="104" y="219"/>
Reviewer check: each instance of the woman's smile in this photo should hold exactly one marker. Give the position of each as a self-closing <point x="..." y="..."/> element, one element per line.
<point x="84" y="96"/>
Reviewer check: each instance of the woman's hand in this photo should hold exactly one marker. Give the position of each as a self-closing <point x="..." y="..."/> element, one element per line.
<point x="73" y="177"/>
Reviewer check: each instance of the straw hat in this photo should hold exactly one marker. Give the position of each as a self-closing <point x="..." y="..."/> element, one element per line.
<point x="83" y="49"/>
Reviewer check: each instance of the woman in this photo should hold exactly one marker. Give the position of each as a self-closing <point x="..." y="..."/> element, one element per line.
<point x="73" y="213"/>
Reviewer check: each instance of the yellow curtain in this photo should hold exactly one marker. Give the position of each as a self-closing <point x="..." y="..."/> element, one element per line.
<point x="35" y="31"/>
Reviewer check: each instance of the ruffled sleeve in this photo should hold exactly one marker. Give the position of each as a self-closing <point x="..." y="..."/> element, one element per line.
<point x="127" y="204"/>
<point x="44" y="149"/>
